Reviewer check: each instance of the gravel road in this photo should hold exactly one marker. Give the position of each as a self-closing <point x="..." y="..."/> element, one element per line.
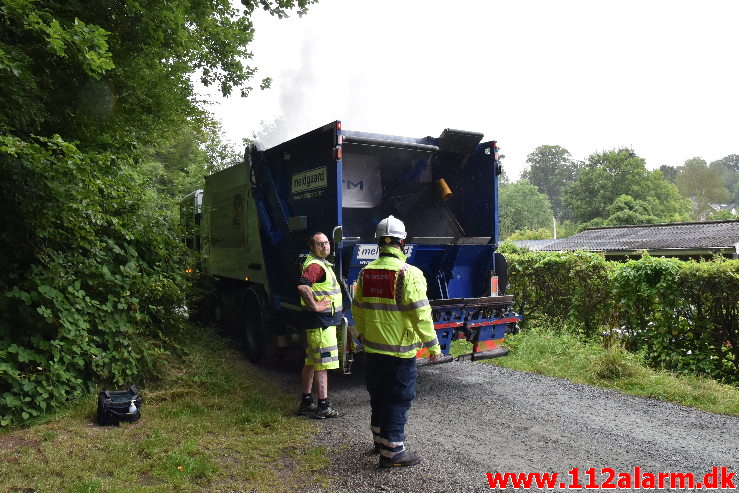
<point x="469" y="419"/>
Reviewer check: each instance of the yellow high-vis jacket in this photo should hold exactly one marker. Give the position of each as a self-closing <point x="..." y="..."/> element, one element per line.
<point x="329" y="287"/>
<point x="390" y="307"/>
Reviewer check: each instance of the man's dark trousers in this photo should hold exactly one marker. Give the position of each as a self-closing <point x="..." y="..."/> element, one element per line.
<point x="391" y="383"/>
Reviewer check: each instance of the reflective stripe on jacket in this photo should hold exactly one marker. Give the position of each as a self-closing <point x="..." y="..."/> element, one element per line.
<point x="390" y="308"/>
<point x="328" y="287"/>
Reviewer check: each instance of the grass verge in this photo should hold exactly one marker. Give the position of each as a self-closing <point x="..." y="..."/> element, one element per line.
<point x="560" y="354"/>
<point x="213" y="422"/>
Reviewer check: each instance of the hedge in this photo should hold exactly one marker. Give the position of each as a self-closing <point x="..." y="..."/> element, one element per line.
<point x="681" y="316"/>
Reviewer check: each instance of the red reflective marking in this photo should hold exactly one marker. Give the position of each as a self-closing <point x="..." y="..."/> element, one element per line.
<point x="378" y="283"/>
<point x="447" y="325"/>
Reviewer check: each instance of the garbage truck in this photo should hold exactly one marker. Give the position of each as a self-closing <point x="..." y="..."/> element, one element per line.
<point x="252" y="221"/>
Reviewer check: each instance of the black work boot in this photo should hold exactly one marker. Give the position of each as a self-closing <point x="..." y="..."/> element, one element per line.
<point x="403" y="459"/>
<point x="326" y="412"/>
<point x="307" y="407"/>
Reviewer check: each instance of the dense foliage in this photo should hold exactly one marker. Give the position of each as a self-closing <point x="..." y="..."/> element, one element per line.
<point x="522" y="206"/>
<point x="713" y="189"/>
<point x="728" y="168"/>
<point x="100" y="132"/>
<point x="703" y="185"/>
<point x="622" y="176"/>
<point x="550" y="169"/>
<point x="572" y="287"/>
<point x="681" y="316"/>
<point x="614" y="188"/>
<point x="89" y="283"/>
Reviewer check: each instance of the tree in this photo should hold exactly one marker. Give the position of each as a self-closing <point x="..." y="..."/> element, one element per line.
<point x="609" y="175"/>
<point x="100" y="71"/>
<point x="722" y="215"/>
<point x="95" y="99"/>
<point x="523" y="207"/>
<point x="528" y="234"/>
<point x="627" y="210"/>
<point x="176" y="167"/>
<point x="568" y="228"/>
<point x="503" y="179"/>
<point x="669" y="172"/>
<point x="703" y="186"/>
<point x="728" y="164"/>
<point x="550" y="168"/>
<point x="728" y="168"/>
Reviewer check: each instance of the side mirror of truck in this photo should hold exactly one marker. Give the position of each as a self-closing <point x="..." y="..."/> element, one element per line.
<point x="338" y="236"/>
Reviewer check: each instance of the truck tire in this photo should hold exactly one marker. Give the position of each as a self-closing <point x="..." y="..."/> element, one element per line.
<point x="203" y="305"/>
<point x="204" y="312"/>
<point x="254" y="317"/>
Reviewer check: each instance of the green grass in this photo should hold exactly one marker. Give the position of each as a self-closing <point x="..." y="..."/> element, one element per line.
<point x="560" y="354"/>
<point x="213" y="422"/>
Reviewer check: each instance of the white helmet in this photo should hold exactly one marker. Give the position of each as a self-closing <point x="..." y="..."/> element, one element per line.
<point x="390" y="226"/>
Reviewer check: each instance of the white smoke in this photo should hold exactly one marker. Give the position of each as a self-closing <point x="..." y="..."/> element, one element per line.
<point x="519" y="72"/>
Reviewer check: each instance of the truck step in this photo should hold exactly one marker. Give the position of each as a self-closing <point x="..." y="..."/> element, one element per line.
<point x="493" y="353"/>
<point x="426" y="362"/>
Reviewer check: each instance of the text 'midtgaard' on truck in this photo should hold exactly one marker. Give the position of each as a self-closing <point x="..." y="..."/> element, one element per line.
<point x="255" y="219"/>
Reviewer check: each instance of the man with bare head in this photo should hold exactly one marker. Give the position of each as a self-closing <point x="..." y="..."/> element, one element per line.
<point x="321" y="299"/>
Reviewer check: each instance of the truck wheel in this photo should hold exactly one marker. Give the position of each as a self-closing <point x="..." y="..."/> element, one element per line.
<point x="204" y="311"/>
<point x="254" y="316"/>
<point x="202" y="306"/>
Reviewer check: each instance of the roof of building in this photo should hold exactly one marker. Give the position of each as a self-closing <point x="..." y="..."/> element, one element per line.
<point x="708" y="235"/>
<point x="535" y="245"/>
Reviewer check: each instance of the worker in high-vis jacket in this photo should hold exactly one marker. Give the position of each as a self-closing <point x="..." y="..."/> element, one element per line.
<point x="393" y="318"/>
<point x="321" y="300"/>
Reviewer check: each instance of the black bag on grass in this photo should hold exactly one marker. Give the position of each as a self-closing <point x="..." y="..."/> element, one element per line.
<point x="115" y="406"/>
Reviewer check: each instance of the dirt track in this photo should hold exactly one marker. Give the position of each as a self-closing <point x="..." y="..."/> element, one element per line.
<point x="472" y="418"/>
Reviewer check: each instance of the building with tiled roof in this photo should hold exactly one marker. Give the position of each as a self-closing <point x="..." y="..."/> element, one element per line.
<point x="698" y="239"/>
<point x="535" y="245"/>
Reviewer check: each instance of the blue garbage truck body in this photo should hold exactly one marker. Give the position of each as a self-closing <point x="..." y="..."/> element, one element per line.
<point x="255" y="220"/>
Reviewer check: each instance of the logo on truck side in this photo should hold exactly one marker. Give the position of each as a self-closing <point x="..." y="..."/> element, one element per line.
<point x="309" y="180"/>
<point x="351" y="185"/>
<point x="366" y="252"/>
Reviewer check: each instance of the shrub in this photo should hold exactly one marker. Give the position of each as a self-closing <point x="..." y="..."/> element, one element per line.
<point x="91" y="275"/>
<point x="572" y="287"/>
<point x="709" y="301"/>
<point x="615" y="363"/>
<point x="679" y="315"/>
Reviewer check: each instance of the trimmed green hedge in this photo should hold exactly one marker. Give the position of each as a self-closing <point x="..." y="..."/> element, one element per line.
<point x="680" y="315"/>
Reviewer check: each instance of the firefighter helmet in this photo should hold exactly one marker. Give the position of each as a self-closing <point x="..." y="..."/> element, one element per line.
<point x="390" y="226"/>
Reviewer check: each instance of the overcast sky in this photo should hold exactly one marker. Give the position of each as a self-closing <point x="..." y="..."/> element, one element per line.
<point x="658" y="76"/>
